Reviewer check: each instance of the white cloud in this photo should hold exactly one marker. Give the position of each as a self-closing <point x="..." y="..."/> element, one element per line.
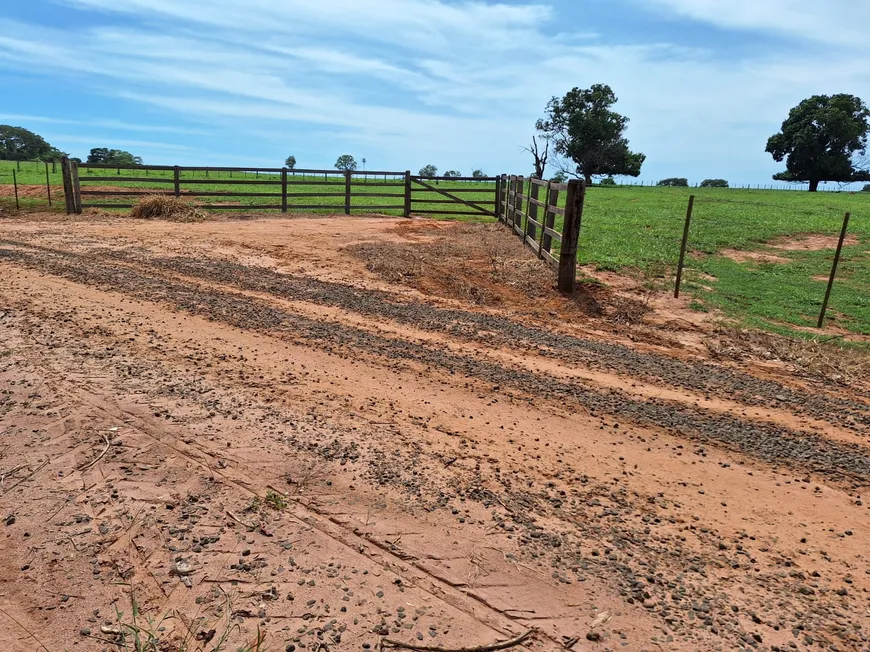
<point x="108" y="123"/>
<point x="839" y="22"/>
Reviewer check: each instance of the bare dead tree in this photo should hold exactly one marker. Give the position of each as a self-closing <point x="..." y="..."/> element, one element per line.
<point x="540" y="157"/>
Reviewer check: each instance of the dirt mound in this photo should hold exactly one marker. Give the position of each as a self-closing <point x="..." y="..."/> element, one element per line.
<point x="481" y="263"/>
<point x="161" y="207"/>
<point x="811" y="242"/>
<point x="755" y="256"/>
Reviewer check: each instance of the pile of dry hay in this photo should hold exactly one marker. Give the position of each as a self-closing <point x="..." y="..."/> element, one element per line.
<point x="163" y="207"/>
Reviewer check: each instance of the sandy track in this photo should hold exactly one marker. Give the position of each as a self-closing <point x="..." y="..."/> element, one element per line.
<point x="467" y="486"/>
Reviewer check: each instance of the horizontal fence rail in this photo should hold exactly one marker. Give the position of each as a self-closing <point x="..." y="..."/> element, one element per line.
<point x="281" y="189"/>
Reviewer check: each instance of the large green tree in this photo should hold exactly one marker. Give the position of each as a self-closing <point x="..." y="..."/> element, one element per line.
<point x="585" y="131"/>
<point x="105" y="156"/>
<point x="820" y="138"/>
<point x="18" y="143"/>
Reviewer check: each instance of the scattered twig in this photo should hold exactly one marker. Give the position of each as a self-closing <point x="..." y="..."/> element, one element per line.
<point x="32" y="635"/>
<point x="240" y="521"/>
<point x="27" y="477"/>
<point x="98" y="457"/>
<point x="501" y="645"/>
<point x="6" y="474"/>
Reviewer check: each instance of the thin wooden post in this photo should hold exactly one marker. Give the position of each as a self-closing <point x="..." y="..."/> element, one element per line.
<point x="47" y="184"/>
<point x="283" y="189"/>
<point x="509" y="201"/>
<point x="15" y="184"/>
<point x="176" y="177"/>
<point x="683" y="246"/>
<point x="18" y="164"/>
<point x="54" y="166"/>
<point x="544" y="220"/>
<point x="407" y="211"/>
<point x="66" y="175"/>
<point x="521" y="190"/>
<point x="834" y="270"/>
<point x="77" y="188"/>
<point x="497" y="197"/>
<point x="550" y="218"/>
<point x="571" y="235"/>
<point x="347" y="177"/>
<point x="532" y="212"/>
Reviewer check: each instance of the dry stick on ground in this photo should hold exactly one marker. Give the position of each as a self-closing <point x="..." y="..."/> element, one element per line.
<point x="240" y="521"/>
<point x="98" y="457"/>
<point x="501" y="645"/>
<point x="27" y="477"/>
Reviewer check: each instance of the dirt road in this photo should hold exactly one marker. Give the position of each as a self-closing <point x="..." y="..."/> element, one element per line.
<point x="238" y="427"/>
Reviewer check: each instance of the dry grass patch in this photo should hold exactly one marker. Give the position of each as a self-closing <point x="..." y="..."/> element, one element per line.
<point x="819" y="357"/>
<point x="171" y="209"/>
<point x="481" y="263"/>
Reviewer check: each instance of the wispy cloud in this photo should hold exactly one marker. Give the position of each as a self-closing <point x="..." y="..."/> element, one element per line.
<point x="418" y="81"/>
<point x="105" y="123"/>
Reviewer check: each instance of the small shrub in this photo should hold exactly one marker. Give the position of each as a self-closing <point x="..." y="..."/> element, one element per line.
<point x="559" y="177"/>
<point x="674" y="182"/>
<point x="275" y="500"/>
<point x="866" y="188"/>
<point x="609" y="181"/>
<point x="714" y="183"/>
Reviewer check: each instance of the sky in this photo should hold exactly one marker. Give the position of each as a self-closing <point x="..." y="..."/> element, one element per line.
<point x="405" y="83"/>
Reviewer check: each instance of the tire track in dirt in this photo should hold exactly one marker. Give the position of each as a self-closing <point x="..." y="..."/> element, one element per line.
<point x="776" y="445"/>
<point x="490" y="328"/>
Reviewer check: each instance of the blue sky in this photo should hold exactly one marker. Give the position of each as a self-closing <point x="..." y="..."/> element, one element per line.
<point x="404" y="83"/>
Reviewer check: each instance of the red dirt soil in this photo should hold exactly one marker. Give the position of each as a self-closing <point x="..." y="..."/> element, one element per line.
<point x="243" y="428"/>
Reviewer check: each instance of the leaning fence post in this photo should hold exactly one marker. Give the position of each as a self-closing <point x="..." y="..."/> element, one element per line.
<point x="176" y="177"/>
<point x="497" y="196"/>
<point x="407" y="210"/>
<point x="544" y="220"/>
<point x="683" y="246"/>
<point x="66" y="175"/>
<point x="47" y="185"/>
<point x="77" y="188"/>
<point x="834" y="270"/>
<point x="283" y="190"/>
<point x="532" y="209"/>
<point x="571" y="235"/>
<point x="15" y="185"/>
<point x="347" y="176"/>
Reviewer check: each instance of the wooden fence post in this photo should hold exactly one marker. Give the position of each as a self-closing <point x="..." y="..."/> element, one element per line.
<point x="284" y="190"/>
<point x="532" y="209"/>
<point x="176" y="177"/>
<point x="510" y="215"/>
<point x="683" y="246"/>
<point x="66" y="174"/>
<point x="347" y="177"/>
<point x="47" y="185"/>
<point x="77" y="188"/>
<point x="407" y="211"/>
<point x="497" y="196"/>
<point x="15" y="185"/>
<point x="544" y="220"/>
<point x="571" y="235"/>
<point x="550" y="217"/>
<point x="834" y="270"/>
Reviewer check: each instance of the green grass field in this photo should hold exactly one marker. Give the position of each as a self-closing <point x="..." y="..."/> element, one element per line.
<point x="633" y="229"/>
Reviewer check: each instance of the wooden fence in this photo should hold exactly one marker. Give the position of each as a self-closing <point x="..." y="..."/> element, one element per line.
<point x="530" y="208"/>
<point x="279" y="189"/>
